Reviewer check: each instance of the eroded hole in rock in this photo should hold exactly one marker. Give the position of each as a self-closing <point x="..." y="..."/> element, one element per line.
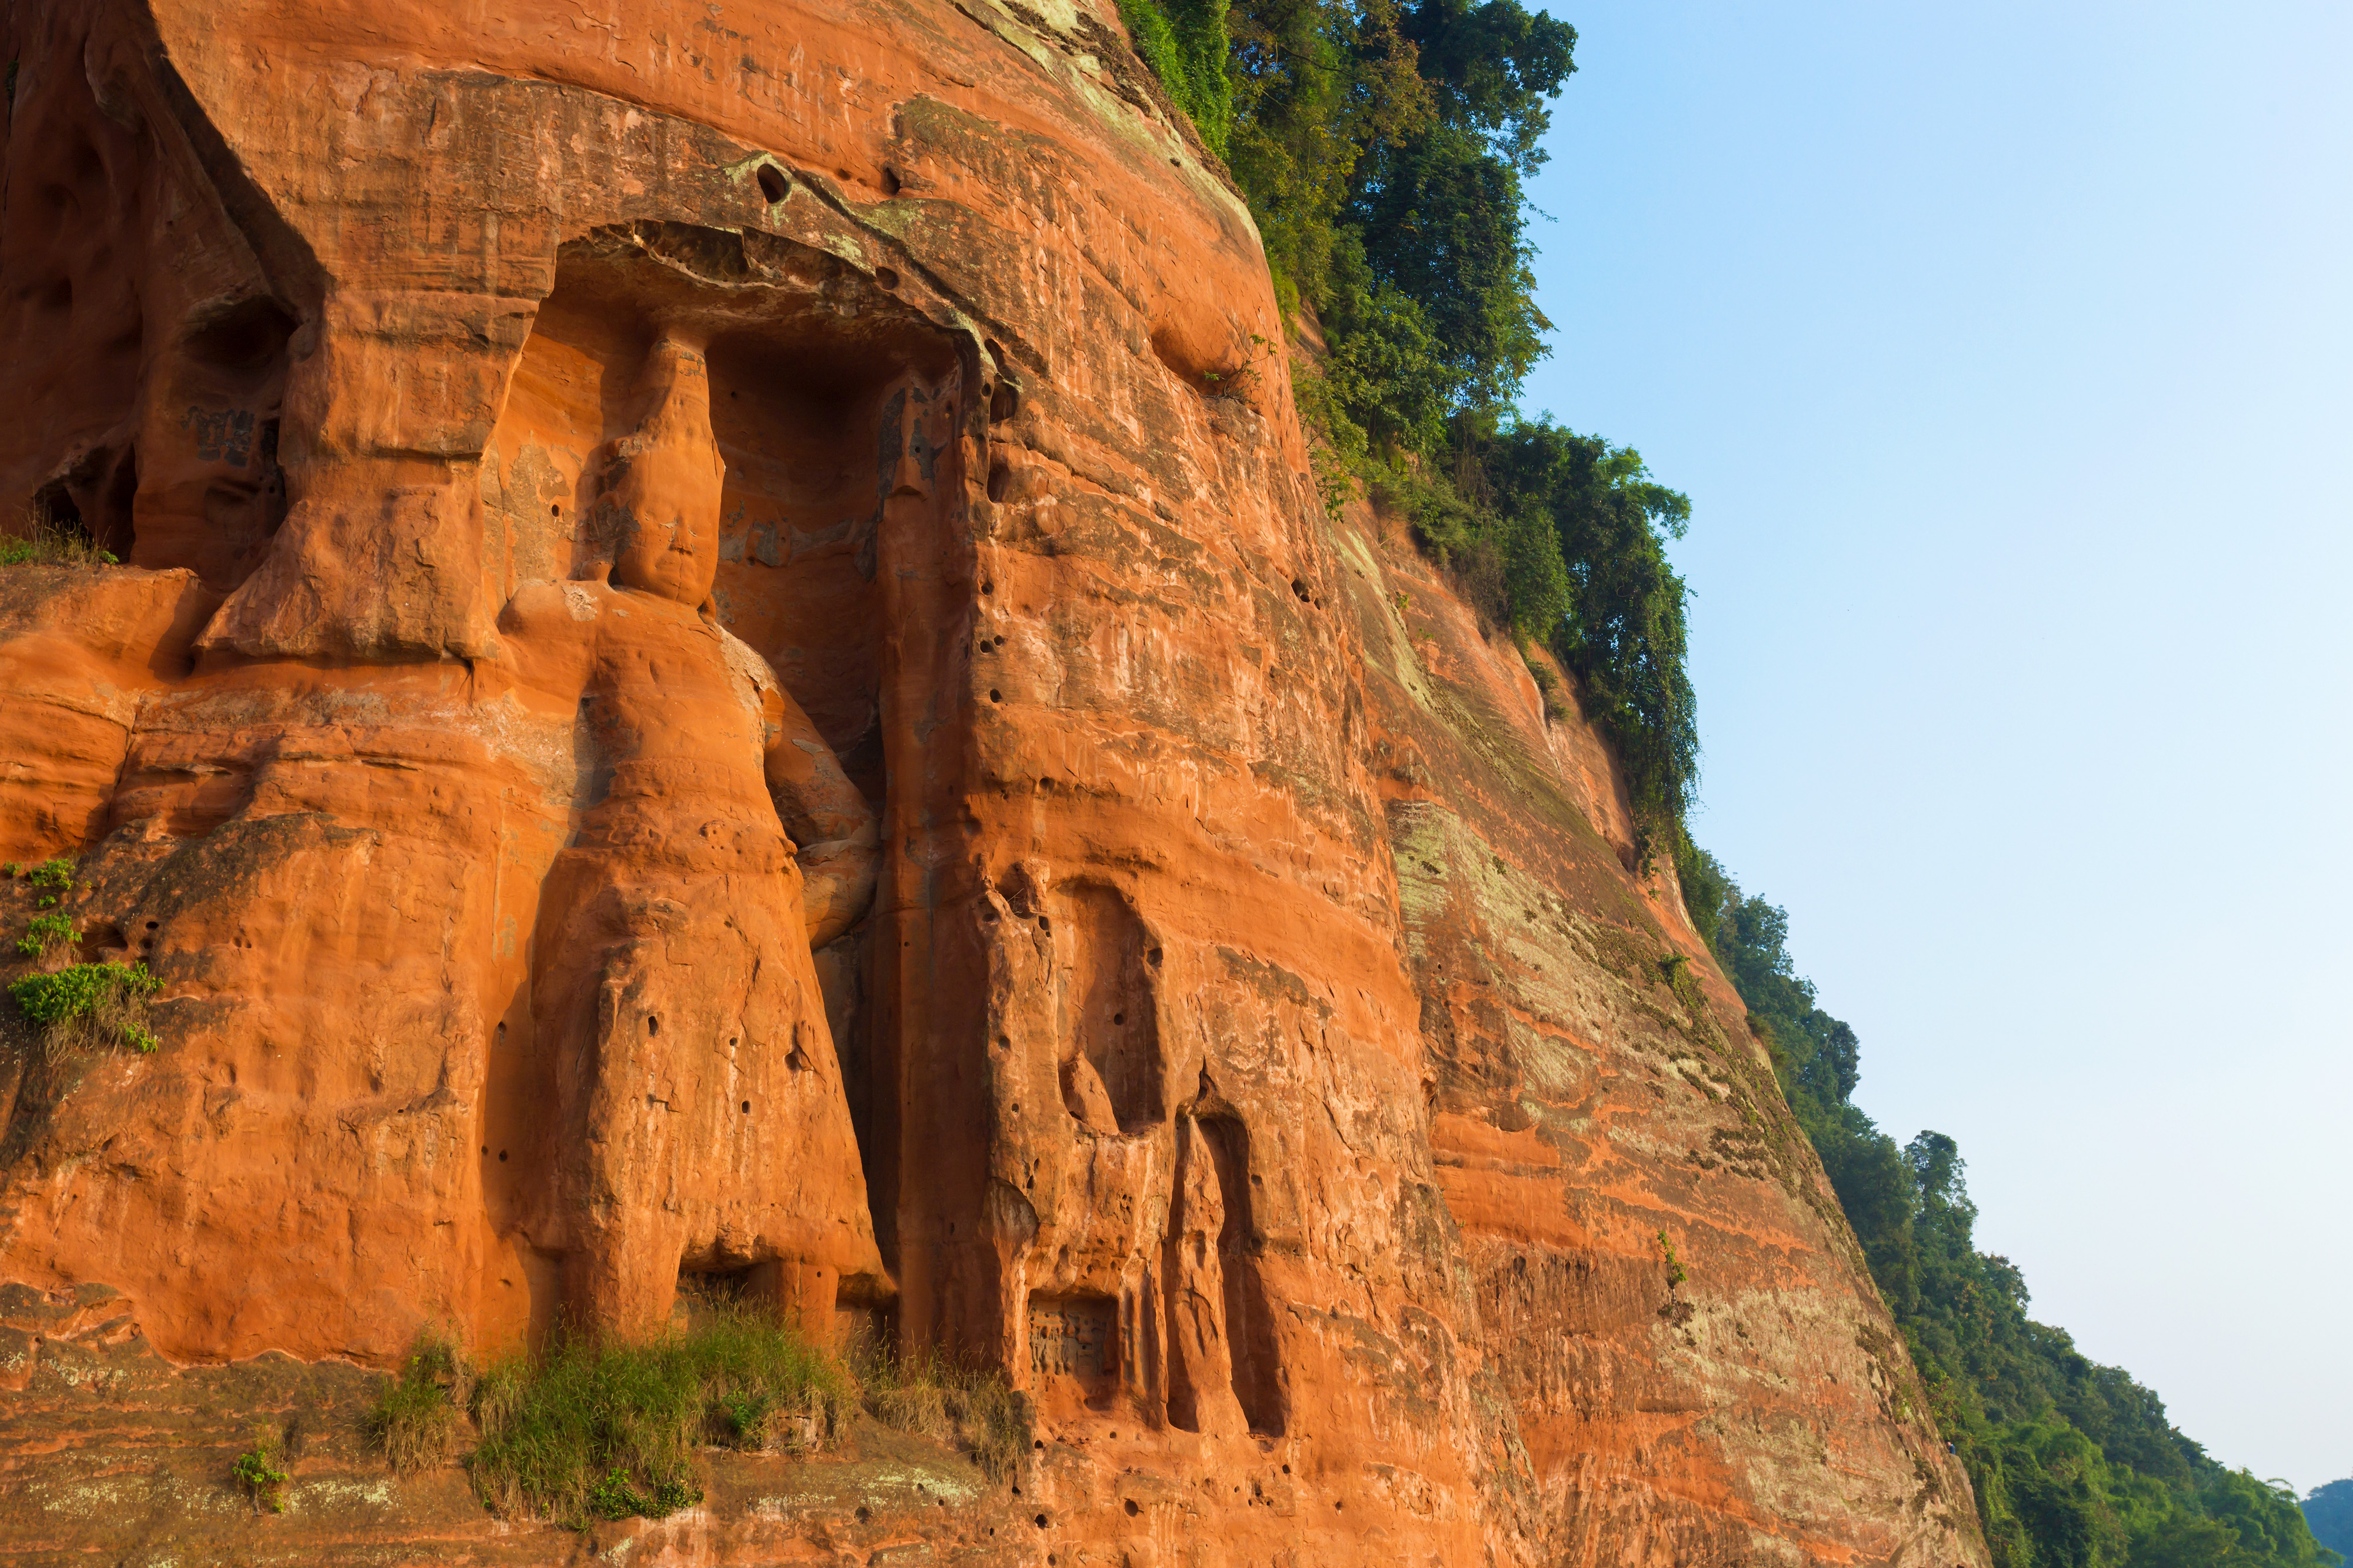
<point x="773" y="184"/>
<point x="55" y="508"/>
<point x="1000" y="481"/>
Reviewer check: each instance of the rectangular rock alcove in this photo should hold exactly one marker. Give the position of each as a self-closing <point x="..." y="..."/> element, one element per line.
<point x="1073" y="1347"/>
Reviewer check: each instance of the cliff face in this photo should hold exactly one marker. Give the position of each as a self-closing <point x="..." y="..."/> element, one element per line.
<point x="728" y="667"/>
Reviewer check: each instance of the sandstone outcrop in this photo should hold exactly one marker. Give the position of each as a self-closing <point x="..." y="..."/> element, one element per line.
<point x="729" y="665"/>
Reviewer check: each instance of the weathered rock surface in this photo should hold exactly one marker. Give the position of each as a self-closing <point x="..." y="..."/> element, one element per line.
<point x="703" y="687"/>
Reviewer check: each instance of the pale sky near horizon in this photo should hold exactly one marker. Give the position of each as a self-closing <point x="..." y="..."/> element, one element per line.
<point x="2006" y="353"/>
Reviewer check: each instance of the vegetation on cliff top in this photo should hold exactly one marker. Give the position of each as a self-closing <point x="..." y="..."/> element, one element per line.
<point x="1383" y="146"/>
<point x="2075" y="1465"/>
<point x="2329" y="1512"/>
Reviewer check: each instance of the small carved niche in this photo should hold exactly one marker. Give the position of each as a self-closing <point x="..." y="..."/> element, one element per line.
<point x="1073" y="1343"/>
<point x="1111" y="1016"/>
<point x="1250" y="1315"/>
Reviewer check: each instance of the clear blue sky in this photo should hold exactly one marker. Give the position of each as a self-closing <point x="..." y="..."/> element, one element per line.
<point x="2006" y="352"/>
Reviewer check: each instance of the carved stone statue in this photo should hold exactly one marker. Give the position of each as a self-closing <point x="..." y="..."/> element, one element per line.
<point x="694" y="1118"/>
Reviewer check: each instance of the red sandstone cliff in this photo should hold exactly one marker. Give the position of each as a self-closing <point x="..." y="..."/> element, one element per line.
<point x="701" y="687"/>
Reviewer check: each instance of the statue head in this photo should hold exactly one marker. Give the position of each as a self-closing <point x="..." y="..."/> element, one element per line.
<point x="664" y="478"/>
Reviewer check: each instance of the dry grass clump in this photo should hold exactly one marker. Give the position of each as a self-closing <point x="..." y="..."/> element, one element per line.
<point x="931" y="1398"/>
<point x="419" y="1414"/>
<point x="38" y="542"/>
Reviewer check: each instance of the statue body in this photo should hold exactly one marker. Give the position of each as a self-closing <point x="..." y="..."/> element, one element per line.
<point x="695" y="1118"/>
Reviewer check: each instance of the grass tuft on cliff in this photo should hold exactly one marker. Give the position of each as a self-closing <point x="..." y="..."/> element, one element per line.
<point x="592" y="1430"/>
<point x="937" y="1399"/>
<point x="41" y="543"/>
<point x="418" y="1415"/>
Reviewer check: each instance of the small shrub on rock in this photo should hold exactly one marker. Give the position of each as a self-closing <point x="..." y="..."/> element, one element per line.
<point x="90" y="1005"/>
<point x="257" y="1471"/>
<point x="46" y="933"/>
<point x="54" y="879"/>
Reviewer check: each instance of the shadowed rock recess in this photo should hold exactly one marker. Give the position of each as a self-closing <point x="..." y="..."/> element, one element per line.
<point x="728" y="664"/>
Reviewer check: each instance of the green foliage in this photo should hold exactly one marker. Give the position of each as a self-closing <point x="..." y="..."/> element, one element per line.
<point x="90" y="1004"/>
<point x="1382" y="145"/>
<point x="52" y="544"/>
<point x="2074" y="1464"/>
<point x="1382" y="148"/>
<point x="1585" y="535"/>
<point x="54" y="879"/>
<point x="617" y="1496"/>
<point x="1676" y="1274"/>
<point x="44" y="932"/>
<point x="598" y="1429"/>
<point x="1186" y="44"/>
<point x="2329" y="1513"/>
<point x="257" y="1471"/>
<point x="416" y="1416"/>
<point x="1555" y="697"/>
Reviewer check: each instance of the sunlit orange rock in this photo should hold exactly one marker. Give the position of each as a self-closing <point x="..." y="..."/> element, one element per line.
<point x="731" y="665"/>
